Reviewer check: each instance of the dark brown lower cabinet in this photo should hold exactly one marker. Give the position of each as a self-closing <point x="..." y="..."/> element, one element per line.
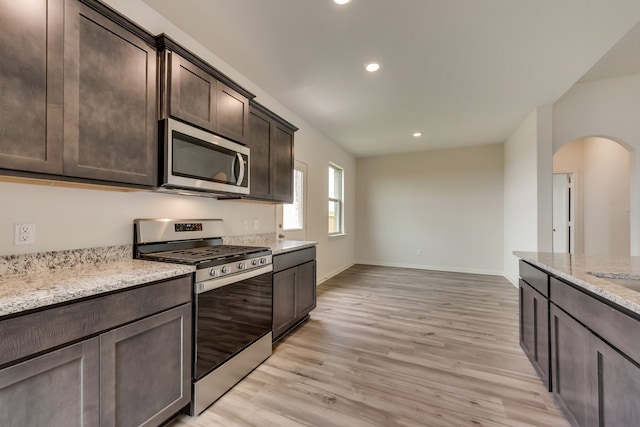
<point x="594" y="369"/>
<point x="594" y="384"/>
<point x="60" y="388"/>
<point x="144" y="376"/>
<point x="570" y="364"/>
<point x="534" y="329"/>
<point x="616" y="386"/>
<point x="131" y="366"/>
<point x="294" y="289"/>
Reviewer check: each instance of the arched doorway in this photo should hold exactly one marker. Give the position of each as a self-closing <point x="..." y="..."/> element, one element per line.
<point x="595" y="200"/>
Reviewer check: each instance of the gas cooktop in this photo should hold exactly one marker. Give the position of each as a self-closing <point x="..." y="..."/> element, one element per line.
<point x="206" y="253"/>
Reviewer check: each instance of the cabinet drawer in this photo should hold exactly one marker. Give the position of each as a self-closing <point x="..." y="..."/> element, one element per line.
<point x="537" y="279"/>
<point x="613" y="326"/>
<point x="291" y="259"/>
<point x="33" y="333"/>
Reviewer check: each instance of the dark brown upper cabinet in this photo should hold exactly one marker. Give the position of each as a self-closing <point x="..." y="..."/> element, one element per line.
<point x="191" y="93"/>
<point x="110" y="98"/>
<point x="271" y="140"/>
<point x="79" y="87"/>
<point x="232" y="113"/>
<point x="196" y="93"/>
<point x="31" y="73"/>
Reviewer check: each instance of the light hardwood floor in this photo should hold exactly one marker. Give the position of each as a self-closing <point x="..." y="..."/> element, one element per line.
<point x="396" y="347"/>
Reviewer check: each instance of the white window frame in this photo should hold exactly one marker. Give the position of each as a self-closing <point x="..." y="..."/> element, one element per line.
<point x="300" y="201"/>
<point x="340" y="201"/>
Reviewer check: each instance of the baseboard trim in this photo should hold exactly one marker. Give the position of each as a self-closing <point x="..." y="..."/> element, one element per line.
<point x="335" y="273"/>
<point x="512" y="280"/>
<point x="434" y="268"/>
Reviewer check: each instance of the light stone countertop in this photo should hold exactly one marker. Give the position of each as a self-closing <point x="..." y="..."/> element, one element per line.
<point x="34" y="281"/>
<point x="283" y="246"/>
<point x="574" y="268"/>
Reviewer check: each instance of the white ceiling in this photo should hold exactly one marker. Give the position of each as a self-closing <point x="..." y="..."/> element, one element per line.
<point x="462" y="72"/>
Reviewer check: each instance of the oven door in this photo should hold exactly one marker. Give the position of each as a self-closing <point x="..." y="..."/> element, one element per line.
<point x="202" y="161"/>
<point x="232" y="313"/>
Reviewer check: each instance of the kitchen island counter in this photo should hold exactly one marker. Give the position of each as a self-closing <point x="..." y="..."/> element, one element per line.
<point x="575" y="269"/>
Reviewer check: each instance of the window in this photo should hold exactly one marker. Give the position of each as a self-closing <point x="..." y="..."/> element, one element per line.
<point x="293" y="213"/>
<point x="336" y="200"/>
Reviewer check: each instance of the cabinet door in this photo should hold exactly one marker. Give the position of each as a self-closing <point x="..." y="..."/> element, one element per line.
<point x="110" y="118"/>
<point x="192" y="93"/>
<point x="570" y="367"/>
<point x="31" y="70"/>
<point x="534" y="329"/>
<point x="259" y="142"/>
<point x="145" y="371"/>
<point x="232" y="114"/>
<point x="60" y="388"/>
<point x="305" y="289"/>
<point x="282" y="164"/>
<point x="284" y="297"/>
<point x="616" y="387"/>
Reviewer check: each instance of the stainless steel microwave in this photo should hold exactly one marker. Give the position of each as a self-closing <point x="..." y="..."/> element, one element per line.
<point x="200" y="161"/>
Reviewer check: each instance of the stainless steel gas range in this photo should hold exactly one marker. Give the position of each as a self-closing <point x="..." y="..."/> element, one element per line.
<point x="232" y="299"/>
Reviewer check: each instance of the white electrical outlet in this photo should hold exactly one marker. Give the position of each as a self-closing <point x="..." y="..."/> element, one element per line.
<point x="25" y="234"/>
<point x="256" y="224"/>
<point x="245" y="224"/>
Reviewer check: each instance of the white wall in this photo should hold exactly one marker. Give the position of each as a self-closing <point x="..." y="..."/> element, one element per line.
<point x="71" y="218"/>
<point x="527" y="189"/>
<point x="68" y="218"/>
<point x="606" y="198"/>
<point x="446" y="203"/>
<point x="607" y="108"/>
<point x="601" y="172"/>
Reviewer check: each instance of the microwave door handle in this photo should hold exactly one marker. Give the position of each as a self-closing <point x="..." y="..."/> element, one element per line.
<point x="241" y="172"/>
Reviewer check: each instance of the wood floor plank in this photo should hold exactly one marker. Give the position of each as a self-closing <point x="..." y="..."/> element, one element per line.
<point x="396" y="347"/>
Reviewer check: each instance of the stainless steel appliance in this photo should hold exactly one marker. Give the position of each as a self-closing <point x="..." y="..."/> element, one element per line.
<point x="232" y="299"/>
<point x="194" y="160"/>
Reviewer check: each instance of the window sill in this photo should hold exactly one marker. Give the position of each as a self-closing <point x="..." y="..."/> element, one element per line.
<point x="337" y="235"/>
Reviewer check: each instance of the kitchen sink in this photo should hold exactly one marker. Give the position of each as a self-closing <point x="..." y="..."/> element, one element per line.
<point x="629" y="281"/>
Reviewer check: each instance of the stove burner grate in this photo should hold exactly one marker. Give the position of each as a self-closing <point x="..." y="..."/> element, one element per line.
<point x="194" y="255"/>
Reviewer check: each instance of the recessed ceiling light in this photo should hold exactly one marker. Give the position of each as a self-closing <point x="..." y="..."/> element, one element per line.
<point x="417" y="134"/>
<point x="372" y="66"/>
<point x="341" y="1"/>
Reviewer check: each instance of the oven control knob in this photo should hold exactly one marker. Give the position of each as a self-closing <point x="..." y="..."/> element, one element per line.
<point x="225" y="269"/>
<point x="263" y="260"/>
<point x="242" y="266"/>
<point x="213" y="272"/>
<point x="254" y="262"/>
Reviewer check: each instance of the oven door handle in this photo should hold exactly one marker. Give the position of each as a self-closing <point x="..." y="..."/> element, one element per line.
<point x="210" y="285"/>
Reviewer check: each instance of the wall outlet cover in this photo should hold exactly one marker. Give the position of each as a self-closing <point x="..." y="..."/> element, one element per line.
<point x="25" y="234"/>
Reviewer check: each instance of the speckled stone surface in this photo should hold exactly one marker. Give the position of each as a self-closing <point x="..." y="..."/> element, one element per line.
<point x="45" y="261"/>
<point x="283" y="246"/>
<point x="58" y="277"/>
<point x="576" y="268"/>
<point x="269" y="240"/>
<point x="249" y="239"/>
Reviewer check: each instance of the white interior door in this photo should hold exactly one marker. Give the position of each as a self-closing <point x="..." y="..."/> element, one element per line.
<point x="292" y="220"/>
<point x="562" y="212"/>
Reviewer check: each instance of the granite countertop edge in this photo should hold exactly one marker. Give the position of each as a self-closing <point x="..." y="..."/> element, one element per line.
<point x="283" y="246"/>
<point x="35" y="281"/>
<point x="26" y="292"/>
<point x="574" y="269"/>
